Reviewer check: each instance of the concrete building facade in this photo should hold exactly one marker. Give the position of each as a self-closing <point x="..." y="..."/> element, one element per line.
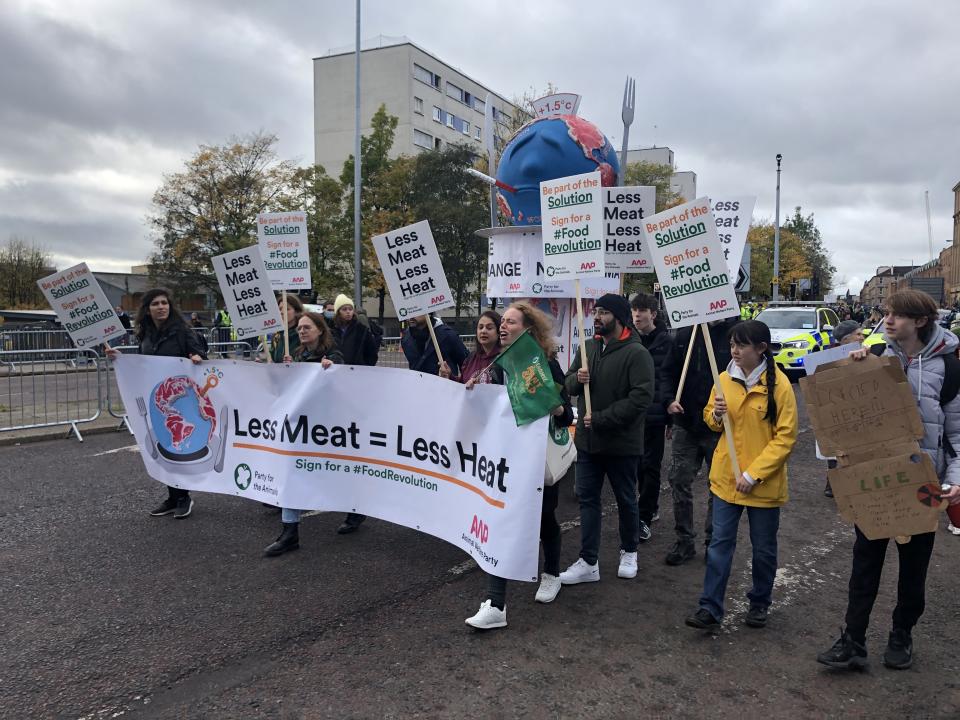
<point x="684" y="182"/>
<point x="435" y="103"/>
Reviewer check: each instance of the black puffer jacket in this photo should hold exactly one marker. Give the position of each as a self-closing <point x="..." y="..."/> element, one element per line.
<point x="357" y="343"/>
<point x="659" y="344"/>
<point x="173" y="339"/>
<point x="699" y="382"/>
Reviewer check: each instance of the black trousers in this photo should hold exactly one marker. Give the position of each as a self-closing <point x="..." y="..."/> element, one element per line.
<point x="177" y="493"/>
<point x="648" y="472"/>
<point x="868" y="557"/>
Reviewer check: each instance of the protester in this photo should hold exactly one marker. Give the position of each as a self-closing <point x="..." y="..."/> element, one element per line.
<point x="125" y="317"/>
<point x="522" y="317"/>
<point x="659" y="343"/>
<point x="328" y="311"/>
<point x="418" y="347"/>
<point x="763" y="418"/>
<point x="478" y="363"/>
<point x="847" y="332"/>
<point x="923" y="349"/>
<point x="609" y="439"/>
<point x="162" y="331"/>
<point x="195" y="321"/>
<point x="316" y="345"/>
<point x="294" y="313"/>
<point x="358" y="347"/>
<point x="693" y="440"/>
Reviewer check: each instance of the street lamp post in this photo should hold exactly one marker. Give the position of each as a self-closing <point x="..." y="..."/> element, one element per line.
<point x="776" y="239"/>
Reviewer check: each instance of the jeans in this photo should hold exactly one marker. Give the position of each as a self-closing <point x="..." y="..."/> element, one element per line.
<point x="549" y="536"/>
<point x="648" y="472"/>
<point x="868" y="558"/>
<point x="289" y="515"/>
<point x="689" y="452"/>
<point x="622" y="471"/>
<point x="764" y="524"/>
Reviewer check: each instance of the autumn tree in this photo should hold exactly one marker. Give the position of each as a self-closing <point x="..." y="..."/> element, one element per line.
<point x="793" y="258"/>
<point x="22" y="263"/>
<point x="821" y="268"/>
<point x="211" y="207"/>
<point x="658" y="176"/>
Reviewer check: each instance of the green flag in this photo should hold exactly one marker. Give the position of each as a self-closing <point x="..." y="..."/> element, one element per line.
<point x="529" y="381"/>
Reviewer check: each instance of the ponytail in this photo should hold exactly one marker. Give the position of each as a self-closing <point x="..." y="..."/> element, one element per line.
<point x="771" y="385"/>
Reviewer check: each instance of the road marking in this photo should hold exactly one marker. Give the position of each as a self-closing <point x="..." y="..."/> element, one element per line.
<point x="127" y="448"/>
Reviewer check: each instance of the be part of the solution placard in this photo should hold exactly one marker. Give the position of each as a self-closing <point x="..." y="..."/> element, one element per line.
<point x="282" y="237"/>
<point x="413" y="271"/>
<point x="572" y="211"/>
<point x="81" y="306"/>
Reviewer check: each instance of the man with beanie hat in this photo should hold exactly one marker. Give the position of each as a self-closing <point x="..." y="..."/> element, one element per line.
<point x="609" y="439"/>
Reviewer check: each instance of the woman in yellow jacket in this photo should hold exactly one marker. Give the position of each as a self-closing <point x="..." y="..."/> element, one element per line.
<point x="759" y="401"/>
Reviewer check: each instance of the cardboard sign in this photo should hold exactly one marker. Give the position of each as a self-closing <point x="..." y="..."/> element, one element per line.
<point x="694" y="276"/>
<point x="247" y="292"/>
<point x="515" y="269"/>
<point x="864" y="413"/>
<point x="284" y="248"/>
<point x="733" y="215"/>
<point x="624" y="209"/>
<point x="556" y="104"/>
<point x="81" y="306"/>
<point x="413" y="271"/>
<point x="572" y="211"/>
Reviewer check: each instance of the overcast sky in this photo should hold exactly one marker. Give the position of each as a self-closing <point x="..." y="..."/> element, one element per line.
<point x="100" y="98"/>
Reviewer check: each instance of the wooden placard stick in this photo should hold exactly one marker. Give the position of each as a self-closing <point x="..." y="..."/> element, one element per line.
<point x="727" y="427"/>
<point x="433" y="337"/>
<point x="286" y="326"/>
<point x="583" y="346"/>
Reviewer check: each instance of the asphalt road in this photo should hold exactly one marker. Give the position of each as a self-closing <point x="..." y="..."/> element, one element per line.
<point x="106" y="612"/>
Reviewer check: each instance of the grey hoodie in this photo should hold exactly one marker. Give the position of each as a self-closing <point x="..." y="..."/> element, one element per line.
<point x="925" y="373"/>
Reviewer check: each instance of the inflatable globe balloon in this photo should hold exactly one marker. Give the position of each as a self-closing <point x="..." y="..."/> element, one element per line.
<point x="183" y="419"/>
<point x="547" y="149"/>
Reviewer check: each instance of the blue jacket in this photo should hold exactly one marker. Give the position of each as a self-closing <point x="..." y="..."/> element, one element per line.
<point x="451" y="347"/>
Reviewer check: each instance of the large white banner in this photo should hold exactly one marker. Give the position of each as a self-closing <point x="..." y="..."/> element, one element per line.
<point x="694" y="276"/>
<point x="81" y="306"/>
<point x="406" y="447"/>
<point x="282" y="237"/>
<point x="413" y="271"/>
<point x="572" y="211"/>
<point x="515" y="269"/>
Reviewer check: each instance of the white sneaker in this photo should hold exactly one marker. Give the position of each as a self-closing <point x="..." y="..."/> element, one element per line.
<point x="628" y="565"/>
<point x="580" y="572"/>
<point x="951" y="528"/>
<point x="488" y="617"/>
<point x="549" y="587"/>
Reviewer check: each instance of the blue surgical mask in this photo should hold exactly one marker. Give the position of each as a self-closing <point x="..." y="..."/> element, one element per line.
<point x="328" y="314"/>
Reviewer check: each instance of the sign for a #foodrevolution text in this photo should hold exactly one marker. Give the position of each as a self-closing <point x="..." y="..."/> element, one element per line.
<point x="694" y="276"/>
<point x="81" y="306"/>
<point x="282" y="237"/>
<point x="624" y="209"/>
<point x="572" y="211"/>
<point x="413" y="271"/>
<point x="247" y="292"/>
<point x="732" y="216"/>
<point x="409" y="448"/>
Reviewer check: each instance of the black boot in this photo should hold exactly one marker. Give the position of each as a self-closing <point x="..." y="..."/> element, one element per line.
<point x="350" y="523"/>
<point x="289" y="540"/>
<point x="899" y="652"/>
<point x="846" y="653"/>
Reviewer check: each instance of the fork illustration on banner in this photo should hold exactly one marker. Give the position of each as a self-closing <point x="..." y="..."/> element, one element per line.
<point x="626" y="114"/>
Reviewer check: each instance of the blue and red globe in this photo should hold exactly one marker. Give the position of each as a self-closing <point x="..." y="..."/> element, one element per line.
<point x="547" y="149"/>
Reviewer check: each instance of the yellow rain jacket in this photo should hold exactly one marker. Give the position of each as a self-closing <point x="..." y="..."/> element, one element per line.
<point x="762" y="447"/>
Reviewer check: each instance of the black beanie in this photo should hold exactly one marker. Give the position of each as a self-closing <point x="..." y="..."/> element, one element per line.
<point x="619" y="306"/>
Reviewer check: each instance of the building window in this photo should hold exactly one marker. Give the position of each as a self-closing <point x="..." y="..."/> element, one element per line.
<point x="425" y="76"/>
<point x="418" y="105"/>
<point x="437" y="114"/>
<point x="450" y="119"/>
<point x="422" y="139"/>
<point x="437" y="143"/>
<point x="476" y="132"/>
<point x="479" y="105"/>
<point x="454" y="92"/>
<point x="466" y="128"/>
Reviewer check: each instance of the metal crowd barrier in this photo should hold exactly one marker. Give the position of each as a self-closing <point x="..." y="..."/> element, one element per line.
<point x="54" y="387"/>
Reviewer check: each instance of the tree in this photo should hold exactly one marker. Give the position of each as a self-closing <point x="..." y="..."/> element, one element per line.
<point x="657" y="175"/>
<point x="793" y="260"/>
<point x="22" y="263"/>
<point x="211" y="207"/>
<point x="821" y="269"/>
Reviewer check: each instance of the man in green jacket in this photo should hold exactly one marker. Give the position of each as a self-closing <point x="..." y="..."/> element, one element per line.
<point x="609" y="439"/>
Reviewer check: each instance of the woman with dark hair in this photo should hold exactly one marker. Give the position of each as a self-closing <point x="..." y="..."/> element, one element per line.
<point x="161" y="330"/>
<point x="316" y="345"/>
<point x="477" y="365"/>
<point x="294" y="311"/>
<point x="523" y="317"/>
<point x="763" y="414"/>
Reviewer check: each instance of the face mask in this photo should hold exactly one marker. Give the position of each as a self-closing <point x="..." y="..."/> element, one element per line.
<point x="328" y="314"/>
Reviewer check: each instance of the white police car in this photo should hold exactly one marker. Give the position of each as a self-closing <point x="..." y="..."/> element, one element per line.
<point x="798" y="329"/>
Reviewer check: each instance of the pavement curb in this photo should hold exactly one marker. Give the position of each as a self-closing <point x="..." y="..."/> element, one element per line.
<point x="56" y="433"/>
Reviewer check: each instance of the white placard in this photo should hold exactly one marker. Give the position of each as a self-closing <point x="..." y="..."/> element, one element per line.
<point x="285" y="250"/>
<point x="557" y="104"/>
<point x="695" y="280"/>
<point x="81" y="306"/>
<point x="572" y="212"/>
<point x="413" y="271"/>
<point x="732" y="215"/>
<point x="406" y="447"/>
<point x="515" y="269"/>
<point x="247" y="292"/>
<point x="624" y="209"/>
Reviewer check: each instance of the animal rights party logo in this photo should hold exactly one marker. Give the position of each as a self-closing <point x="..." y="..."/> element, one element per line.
<point x="242" y="476"/>
<point x="182" y="424"/>
<point x="676" y="316"/>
